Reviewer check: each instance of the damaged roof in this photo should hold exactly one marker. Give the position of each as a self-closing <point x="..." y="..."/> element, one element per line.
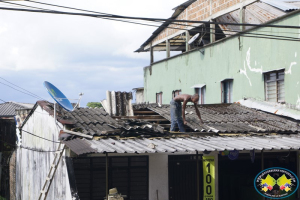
<point x="97" y="122"/>
<point x="229" y="118"/>
<point x="259" y="12"/>
<point x="217" y="118"/>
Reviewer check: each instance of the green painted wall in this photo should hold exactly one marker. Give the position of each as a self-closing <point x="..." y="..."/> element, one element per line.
<point x="242" y="59"/>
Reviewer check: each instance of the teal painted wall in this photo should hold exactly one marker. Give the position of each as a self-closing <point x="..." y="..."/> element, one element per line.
<point x="243" y="59"/>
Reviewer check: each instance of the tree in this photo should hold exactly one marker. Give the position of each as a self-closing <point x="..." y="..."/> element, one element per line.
<point x="94" y="105"/>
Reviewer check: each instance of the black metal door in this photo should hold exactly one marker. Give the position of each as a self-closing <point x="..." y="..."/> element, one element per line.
<point x="183" y="177"/>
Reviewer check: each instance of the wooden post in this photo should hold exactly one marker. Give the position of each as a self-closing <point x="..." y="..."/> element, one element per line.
<point x="167" y="48"/>
<point x="151" y="54"/>
<point x="242" y="18"/>
<point x="188" y="37"/>
<point x="212" y="32"/>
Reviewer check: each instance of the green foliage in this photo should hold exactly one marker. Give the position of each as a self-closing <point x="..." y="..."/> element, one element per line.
<point x="94" y="104"/>
<point x="2" y="198"/>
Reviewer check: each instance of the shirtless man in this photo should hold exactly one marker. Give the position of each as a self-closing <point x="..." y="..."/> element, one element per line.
<point x="178" y="111"/>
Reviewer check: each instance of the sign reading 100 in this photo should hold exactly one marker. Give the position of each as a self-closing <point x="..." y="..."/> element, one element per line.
<point x="208" y="178"/>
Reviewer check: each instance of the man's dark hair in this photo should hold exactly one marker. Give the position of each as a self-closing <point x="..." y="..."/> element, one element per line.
<point x="195" y="96"/>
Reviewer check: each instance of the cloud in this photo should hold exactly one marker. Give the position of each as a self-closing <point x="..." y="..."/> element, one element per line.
<point x="77" y="54"/>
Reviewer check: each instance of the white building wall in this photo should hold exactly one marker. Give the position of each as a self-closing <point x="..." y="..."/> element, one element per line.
<point x="139" y="96"/>
<point x="158" y="177"/>
<point x="33" y="166"/>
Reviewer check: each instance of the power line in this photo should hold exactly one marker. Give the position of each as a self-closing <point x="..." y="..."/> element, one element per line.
<point x="22" y="89"/>
<point x="28" y="148"/>
<point x="19" y="90"/>
<point x="153" y="19"/>
<point x="39" y="136"/>
<point x="3" y="100"/>
<point x="149" y="19"/>
<point x="167" y="26"/>
<point x="123" y="20"/>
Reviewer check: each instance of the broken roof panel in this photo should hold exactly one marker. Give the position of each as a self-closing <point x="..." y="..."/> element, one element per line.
<point x="229" y="118"/>
<point x="281" y="5"/>
<point x="185" y="144"/>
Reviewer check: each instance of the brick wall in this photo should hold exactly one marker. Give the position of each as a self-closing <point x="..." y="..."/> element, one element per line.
<point x="197" y="11"/>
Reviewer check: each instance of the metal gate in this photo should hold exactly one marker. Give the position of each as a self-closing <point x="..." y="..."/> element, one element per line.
<point x="183" y="177"/>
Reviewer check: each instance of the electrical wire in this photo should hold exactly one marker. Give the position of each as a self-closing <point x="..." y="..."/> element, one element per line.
<point x="19" y="90"/>
<point x="3" y="101"/>
<point x="22" y="88"/>
<point x="167" y="26"/>
<point x="28" y="148"/>
<point x="115" y="20"/>
<point x="149" y="19"/>
<point x="39" y="136"/>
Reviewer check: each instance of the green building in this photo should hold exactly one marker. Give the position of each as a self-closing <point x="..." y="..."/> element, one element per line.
<point x="227" y="63"/>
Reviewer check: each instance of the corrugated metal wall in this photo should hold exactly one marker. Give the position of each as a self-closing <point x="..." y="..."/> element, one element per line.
<point x="33" y="166"/>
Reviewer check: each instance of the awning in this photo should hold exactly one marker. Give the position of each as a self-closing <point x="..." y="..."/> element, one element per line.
<point x="198" y="86"/>
<point x="273" y="70"/>
<point x="226" y="79"/>
<point x="186" y="144"/>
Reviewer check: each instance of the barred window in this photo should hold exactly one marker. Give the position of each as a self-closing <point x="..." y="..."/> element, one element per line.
<point x="274" y="86"/>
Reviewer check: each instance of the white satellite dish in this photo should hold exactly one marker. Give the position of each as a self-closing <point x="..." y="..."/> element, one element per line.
<point x="193" y="38"/>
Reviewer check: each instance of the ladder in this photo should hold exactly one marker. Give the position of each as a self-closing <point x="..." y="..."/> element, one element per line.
<point x="53" y="168"/>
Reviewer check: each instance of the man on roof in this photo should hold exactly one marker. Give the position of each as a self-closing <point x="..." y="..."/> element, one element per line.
<point x="178" y="112"/>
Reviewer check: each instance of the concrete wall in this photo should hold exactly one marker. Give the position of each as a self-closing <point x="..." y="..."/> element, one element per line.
<point x="241" y="58"/>
<point x="32" y="167"/>
<point x="158" y="177"/>
<point x="139" y="96"/>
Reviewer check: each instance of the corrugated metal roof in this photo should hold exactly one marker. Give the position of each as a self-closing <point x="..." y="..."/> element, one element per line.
<point x="198" y="86"/>
<point x="256" y="13"/>
<point x="185" y="144"/>
<point x="271" y="107"/>
<point x="229" y="118"/>
<point x="281" y="5"/>
<point x="8" y="109"/>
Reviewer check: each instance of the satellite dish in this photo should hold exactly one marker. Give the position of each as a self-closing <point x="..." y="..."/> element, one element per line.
<point x="193" y="38"/>
<point x="58" y="96"/>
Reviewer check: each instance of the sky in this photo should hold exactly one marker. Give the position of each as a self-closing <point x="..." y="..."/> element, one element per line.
<point x="75" y="53"/>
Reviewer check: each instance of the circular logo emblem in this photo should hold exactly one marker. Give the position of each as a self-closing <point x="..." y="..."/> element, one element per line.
<point x="276" y="183"/>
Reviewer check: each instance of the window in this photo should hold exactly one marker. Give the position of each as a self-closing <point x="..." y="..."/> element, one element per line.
<point x="274" y="86"/>
<point x="201" y="92"/>
<point x="159" y="98"/>
<point x="175" y="93"/>
<point x="226" y="86"/>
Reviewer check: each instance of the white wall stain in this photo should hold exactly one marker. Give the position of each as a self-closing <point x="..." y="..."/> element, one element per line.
<point x="258" y="70"/>
<point x="244" y="71"/>
<point x="298" y="102"/>
<point x="298" y="83"/>
<point x="290" y="69"/>
<point x="295" y="54"/>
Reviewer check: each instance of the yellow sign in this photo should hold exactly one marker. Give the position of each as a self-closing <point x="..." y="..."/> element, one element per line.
<point x="208" y="178"/>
